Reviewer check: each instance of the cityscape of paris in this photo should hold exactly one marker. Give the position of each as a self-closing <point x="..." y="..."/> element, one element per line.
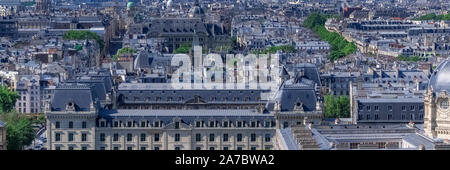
<point x="224" y="75"/>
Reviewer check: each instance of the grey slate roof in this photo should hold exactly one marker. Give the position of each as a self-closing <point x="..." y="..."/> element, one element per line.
<point x="187" y="116"/>
<point x="80" y="95"/>
<point x="290" y="93"/>
<point x="148" y="93"/>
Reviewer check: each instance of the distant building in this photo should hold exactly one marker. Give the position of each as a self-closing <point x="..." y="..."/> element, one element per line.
<point x="29" y="91"/>
<point x="386" y="110"/>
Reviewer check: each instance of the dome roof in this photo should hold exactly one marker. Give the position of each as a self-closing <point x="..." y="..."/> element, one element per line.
<point x="440" y="79"/>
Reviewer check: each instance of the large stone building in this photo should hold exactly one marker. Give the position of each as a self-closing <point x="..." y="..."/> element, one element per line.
<point x="74" y="121"/>
<point x="437" y="118"/>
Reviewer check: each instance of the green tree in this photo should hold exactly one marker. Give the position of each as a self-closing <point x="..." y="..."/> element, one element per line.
<point x="337" y="106"/>
<point x="19" y="131"/>
<point x="183" y="49"/>
<point x="7" y="99"/>
<point x="83" y="35"/>
<point x="339" y="46"/>
<point x="124" y="50"/>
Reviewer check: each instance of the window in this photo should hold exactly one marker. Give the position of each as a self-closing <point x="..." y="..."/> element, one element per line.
<point x="403" y="116"/>
<point x="390" y="108"/>
<point x="376" y="117"/>
<point x="239" y="148"/>
<point x="267" y="147"/>
<point x="368" y="117"/>
<point x="129" y="137"/>
<point x="267" y="124"/>
<point x="444" y="104"/>
<point x="70" y="148"/>
<point x="102" y="123"/>
<point x="198" y="148"/>
<point x="70" y="125"/>
<point x="225" y="124"/>
<point x="225" y="148"/>
<point x="413" y="108"/>
<point x="83" y="137"/>
<point x="70" y="137"/>
<point x="368" y="108"/>
<point x="129" y="148"/>
<point x="198" y="137"/>
<point x="156" y="148"/>
<point x="403" y="108"/>
<point x="143" y="136"/>
<point x="239" y="124"/>
<point x="57" y="125"/>
<point x="102" y="137"/>
<point x="376" y="108"/>
<point x="225" y="137"/>
<point x="211" y="124"/>
<point x="156" y="137"/>
<point x="143" y="148"/>
<point x="253" y="137"/>
<point x="143" y="124"/>
<point x="177" y="137"/>
<point x="177" y="125"/>
<point x="116" y="137"/>
<point x="129" y="124"/>
<point x="211" y="148"/>
<point x="116" y="148"/>
<point x="211" y="137"/>
<point x="102" y="148"/>
<point x="198" y="124"/>
<point x="84" y="148"/>
<point x="177" y="148"/>
<point x="253" y="148"/>
<point x="83" y="125"/>
<point x="267" y="137"/>
<point x="116" y="123"/>
<point x="57" y="148"/>
<point x="239" y="137"/>
<point x="253" y="124"/>
<point x="389" y="117"/>
<point x="421" y="108"/>
<point x="57" y="137"/>
<point x="156" y="124"/>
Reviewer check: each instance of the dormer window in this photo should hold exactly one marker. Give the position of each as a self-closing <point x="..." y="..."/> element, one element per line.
<point x="177" y="125"/>
<point x="143" y="124"/>
<point x="102" y="123"/>
<point x="198" y="124"/>
<point x="211" y="124"/>
<point x="70" y="106"/>
<point x="156" y="123"/>
<point x="129" y="124"/>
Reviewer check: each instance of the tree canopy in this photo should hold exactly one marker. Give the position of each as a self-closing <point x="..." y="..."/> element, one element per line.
<point x="434" y="17"/>
<point x="339" y="46"/>
<point x="124" y="50"/>
<point x="19" y="130"/>
<point x="183" y="49"/>
<point x="406" y="58"/>
<point x="337" y="106"/>
<point x="83" y="35"/>
<point x="8" y="99"/>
